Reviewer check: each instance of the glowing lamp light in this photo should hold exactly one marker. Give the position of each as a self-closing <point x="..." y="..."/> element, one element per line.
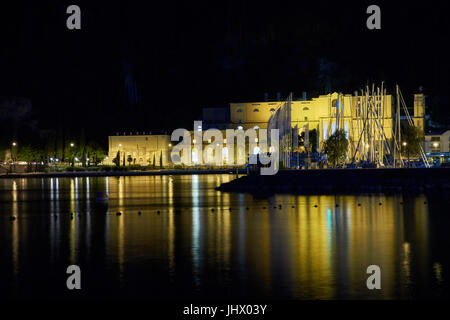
<point x="14" y="144"/>
<point x="435" y="144"/>
<point x="72" y="144"/>
<point x="404" y="143"/>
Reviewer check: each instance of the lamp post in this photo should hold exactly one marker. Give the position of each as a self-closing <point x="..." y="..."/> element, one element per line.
<point x="13" y="155"/>
<point x="404" y="144"/>
<point x="72" y="145"/>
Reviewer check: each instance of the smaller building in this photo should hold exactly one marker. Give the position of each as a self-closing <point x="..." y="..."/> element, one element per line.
<point x="141" y="149"/>
<point x="437" y="147"/>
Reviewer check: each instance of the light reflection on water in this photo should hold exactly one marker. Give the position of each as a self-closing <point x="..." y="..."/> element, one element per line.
<point x="209" y="244"/>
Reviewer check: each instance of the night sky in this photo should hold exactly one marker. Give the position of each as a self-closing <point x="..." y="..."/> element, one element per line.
<point x="149" y="66"/>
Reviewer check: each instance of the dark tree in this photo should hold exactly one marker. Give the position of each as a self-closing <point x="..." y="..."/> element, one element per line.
<point x="336" y="147"/>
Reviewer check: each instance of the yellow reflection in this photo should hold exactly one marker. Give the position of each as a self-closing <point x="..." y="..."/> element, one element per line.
<point x="15" y="230"/>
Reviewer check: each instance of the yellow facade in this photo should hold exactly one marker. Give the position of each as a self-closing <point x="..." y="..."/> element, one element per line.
<point x="251" y="114"/>
<point x="318" y="113"/>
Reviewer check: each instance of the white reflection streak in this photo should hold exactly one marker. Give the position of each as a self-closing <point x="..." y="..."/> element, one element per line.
<point x="88" y="215"/>
<point x="195" y="227"/>
<point x="58" y="224"/>
<point x="107" y="186"/>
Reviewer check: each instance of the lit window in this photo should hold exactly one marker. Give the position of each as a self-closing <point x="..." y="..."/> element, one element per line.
<point x="255" y="127"/>
<point x="194" y="156"/>
<point x="240" y="127"/>
<point x="225" y="154"/>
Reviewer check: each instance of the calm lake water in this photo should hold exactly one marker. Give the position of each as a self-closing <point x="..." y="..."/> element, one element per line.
<point x="208" y="244"/>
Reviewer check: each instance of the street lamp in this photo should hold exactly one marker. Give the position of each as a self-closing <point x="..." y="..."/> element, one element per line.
<point x="72" y="153"/>
<point x="404" y="144"/>
<point x="13" y="152"/>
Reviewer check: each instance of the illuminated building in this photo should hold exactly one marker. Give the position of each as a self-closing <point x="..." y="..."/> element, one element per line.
<point x="324" y="114"/>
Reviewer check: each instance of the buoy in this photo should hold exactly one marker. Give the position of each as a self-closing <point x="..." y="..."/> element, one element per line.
<point x="12" y="218"/>
<point x="118" y="213"/>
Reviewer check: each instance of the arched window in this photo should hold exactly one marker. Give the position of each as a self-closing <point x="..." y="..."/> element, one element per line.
<point x="256" y="110"/>
<point x="239" y="110"/>
<point x="225" y="154"/>
<point x="195" y="156"/>
<point x="272" y="110"/>
<point x="240" y="127"/>
<point x="256" y="128"/>
<point x="305" y="109"/>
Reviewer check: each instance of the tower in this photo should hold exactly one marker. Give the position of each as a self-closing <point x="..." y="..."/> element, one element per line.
<point x="419" y="111"/>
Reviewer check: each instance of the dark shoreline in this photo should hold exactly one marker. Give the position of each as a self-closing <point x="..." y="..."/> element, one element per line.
<point x="343" y="181"/>
<point x="118" y="173"/>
